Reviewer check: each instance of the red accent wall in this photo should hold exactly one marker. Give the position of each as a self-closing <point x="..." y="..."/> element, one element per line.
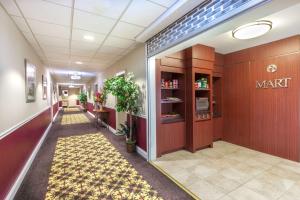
<point x="141" y="131"/>
<point x="77" y="102"/>
<point x="60" y="103"/>
<point x="55" y="108"/>
<point x="17" y="147"/>
<point x="111" y="117"/>
<point x="90" y="107"/>
<point x="266" y="120"/>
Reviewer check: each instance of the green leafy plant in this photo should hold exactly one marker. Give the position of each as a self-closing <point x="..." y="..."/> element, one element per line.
<point x="127" y="93"/>
<point x="83" y="100"/>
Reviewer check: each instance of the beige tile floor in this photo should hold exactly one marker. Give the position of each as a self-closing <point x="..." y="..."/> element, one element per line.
<point x="231" y="172"/>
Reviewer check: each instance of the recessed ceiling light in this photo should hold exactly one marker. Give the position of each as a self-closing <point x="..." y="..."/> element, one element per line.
<point x="75" y="77"/>
<point x="71" y="86"/>
<point x="89" y="38"/>
<point x="78" y="62"/>
<point x="252" y="30"/>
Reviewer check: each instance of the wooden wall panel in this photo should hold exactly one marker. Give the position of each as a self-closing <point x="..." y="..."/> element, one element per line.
<point x="264" y="119"/>
<point x="275" y="112"/>
<point x="236" y="104"/>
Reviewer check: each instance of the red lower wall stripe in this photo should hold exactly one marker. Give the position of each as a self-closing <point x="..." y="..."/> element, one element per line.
<point x="17" y="147"/>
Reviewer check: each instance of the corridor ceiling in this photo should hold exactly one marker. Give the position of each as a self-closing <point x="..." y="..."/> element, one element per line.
<point x="86" y="35"/>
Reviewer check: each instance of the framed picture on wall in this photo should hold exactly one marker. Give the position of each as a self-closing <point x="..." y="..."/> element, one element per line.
<point x="44" y="87"/>
<point x="30" y="82"/>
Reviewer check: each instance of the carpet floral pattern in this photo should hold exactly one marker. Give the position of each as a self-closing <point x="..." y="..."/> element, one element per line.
<point x="89" y="167"/>
<point x="71" y="109"/>
<point x="74" y="119"/>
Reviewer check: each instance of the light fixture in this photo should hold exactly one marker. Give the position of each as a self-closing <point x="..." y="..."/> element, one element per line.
<point x="252" y="30"/>
<point x="78" y="62"/>
<point x="89" y="38"/>
<point x="75" y="77"/>
<point x="71" y="86"/>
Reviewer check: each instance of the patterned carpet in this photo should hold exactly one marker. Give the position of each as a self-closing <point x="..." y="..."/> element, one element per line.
<point x="89" y="167"/>
<point x="71" y="109"/>
<point x="74" y="119"/>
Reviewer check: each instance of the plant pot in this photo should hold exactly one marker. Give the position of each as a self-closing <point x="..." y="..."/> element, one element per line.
<point x="130" y="146"/>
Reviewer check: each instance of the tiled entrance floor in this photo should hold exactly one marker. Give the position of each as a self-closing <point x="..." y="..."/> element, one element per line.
<point x="231" y="172"/>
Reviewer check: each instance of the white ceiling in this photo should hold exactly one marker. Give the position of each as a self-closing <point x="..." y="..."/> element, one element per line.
<point x="285" y="18"/>
<point x="64" y="76"/>
<point x="55" y="28"/>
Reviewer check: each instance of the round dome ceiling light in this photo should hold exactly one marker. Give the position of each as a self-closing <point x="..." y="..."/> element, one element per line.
<point x="252" y="30"/>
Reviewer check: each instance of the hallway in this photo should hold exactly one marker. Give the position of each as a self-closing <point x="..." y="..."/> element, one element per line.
<point x="77" y="161"/>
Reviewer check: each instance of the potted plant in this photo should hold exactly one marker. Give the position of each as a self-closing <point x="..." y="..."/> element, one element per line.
<point x="83" y="100"/>
<point x="127" y="93"/>
<point x="100" y="99"/>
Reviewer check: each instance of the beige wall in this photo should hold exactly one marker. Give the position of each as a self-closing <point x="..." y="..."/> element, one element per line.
<point x="13" y="50"/>
<point x="133" y="62"/>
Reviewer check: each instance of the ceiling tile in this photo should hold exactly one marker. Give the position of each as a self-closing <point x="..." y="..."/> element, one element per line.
<point x="103" y="56"/>
<point x="106" y="8"/>
<point x="10" y="7"/>
<point x="118" y="42"/>
<point x="52" y="41"/>
<point x="125" y="30"/>
<point x="166" y="3"/>
<point x="83" y="59"/>
<point x="93" y="23"/>
<point x="111" y="50"/>
<point x="142" y="12"/>
<point x="57" y="56"/>
<point x="21" y="24"/>
<point x="49" y="29"/>
<point x="45" y="11"/>
<point x="55" y="49"/>
<point x="68" y="3"/>
<point x="82" y="52"/>
<point x="84" y="46"/>
<point x="78" y="35"/>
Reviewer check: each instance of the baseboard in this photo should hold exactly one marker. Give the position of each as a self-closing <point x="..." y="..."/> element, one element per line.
<point x="109" y="127"/>
<point x="141" y="152"/>
<point x="19" y="180"/>
<point x="55" y="115"/>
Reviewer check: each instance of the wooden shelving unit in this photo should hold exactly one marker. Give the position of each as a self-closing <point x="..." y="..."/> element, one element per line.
<point x="170" y="108"/>
<point x="199" y="106"/>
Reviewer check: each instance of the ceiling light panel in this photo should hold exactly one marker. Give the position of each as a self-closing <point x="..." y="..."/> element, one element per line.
<point x="86" y="36"/>
<point x="142" y="13"/>
<point x="118" y="42"/>
<point x="92" y="23"/>
<point x="125" y="30"/>
<point x="107" y="8"/>
<point x="49" y="29"/>
<point x="45" y="11"/>
<point x="252" y="30"/>
<point x="11" y="7"/>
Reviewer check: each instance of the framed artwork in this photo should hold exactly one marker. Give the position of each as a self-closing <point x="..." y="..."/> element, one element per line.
<point x="30" y="82"/>
<point x="44" y="87"/>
